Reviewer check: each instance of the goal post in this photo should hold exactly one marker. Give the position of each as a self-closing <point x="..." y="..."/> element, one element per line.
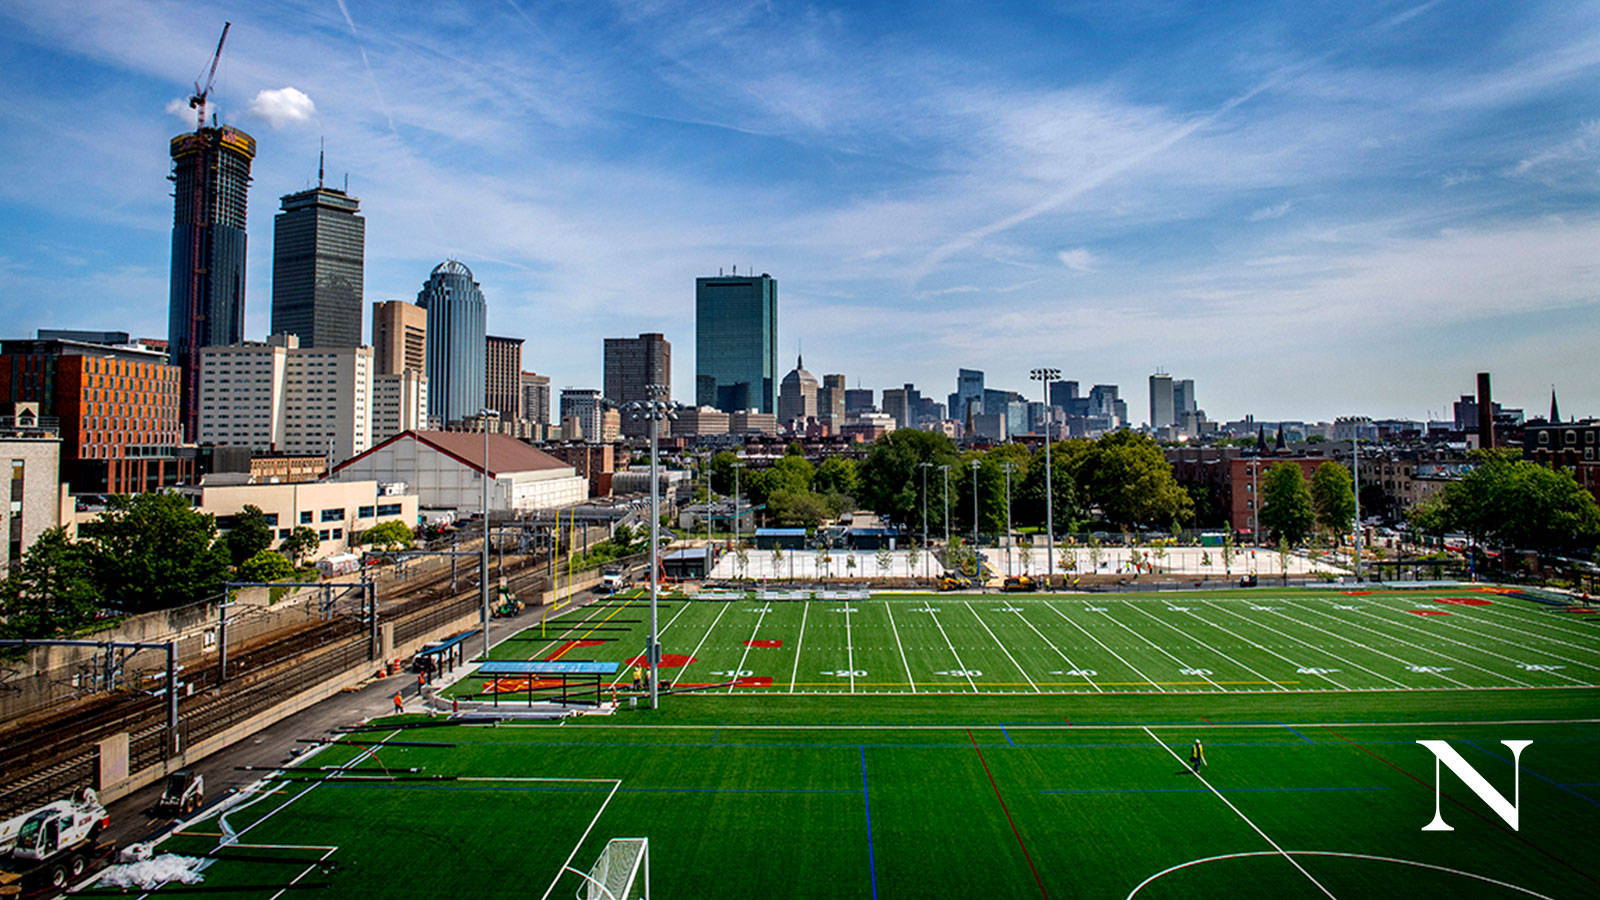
<point x="621" y="873"/>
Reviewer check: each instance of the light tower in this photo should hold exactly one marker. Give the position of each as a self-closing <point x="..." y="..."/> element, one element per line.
<point x="1044" y="375"/>
<point x="655" y="410"/>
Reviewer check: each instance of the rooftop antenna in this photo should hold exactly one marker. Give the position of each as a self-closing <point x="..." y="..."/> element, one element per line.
<point x="321" y="144"/>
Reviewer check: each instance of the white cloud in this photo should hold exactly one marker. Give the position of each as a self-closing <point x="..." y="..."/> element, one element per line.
<point x="283" y="106"/>
<point x="1276" y="211"/>
<point x="1078" y="259"/>
<point x="179" y="106"/>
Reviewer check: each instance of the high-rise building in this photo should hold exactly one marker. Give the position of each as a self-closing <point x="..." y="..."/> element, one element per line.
<point x="211" y="186"/>
<point x="503" y="378"/>
<point x="797" y="400"/>
<point x="1062" y="393"/>
<point x="457" y="313"/>
<point x="1162" y="414"/>
<point x="1183" y="398"/>
<point x="904" y="404"/>
<point x="736" y="342"/>
<point x="830" y="398"/>
<point x="857" y="400"/>
<point x="535" y="397"/>
<point x="399" y="403"/>
<point x="969" y="391"/>
<point x="585" y="407"/>
<point x="399" y="337"/>
<point x="319" y="242"/>
<point x="276" y="396"/>
<point x="631" y="366"/>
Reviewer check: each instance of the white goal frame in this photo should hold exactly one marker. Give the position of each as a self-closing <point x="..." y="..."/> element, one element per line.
<point x="616" y="872"/>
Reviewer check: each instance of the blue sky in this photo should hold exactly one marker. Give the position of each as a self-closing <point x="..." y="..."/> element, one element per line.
<point x="1311" y="209"/>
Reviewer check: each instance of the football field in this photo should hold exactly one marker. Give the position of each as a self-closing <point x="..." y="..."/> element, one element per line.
<point x="983" y="746"/>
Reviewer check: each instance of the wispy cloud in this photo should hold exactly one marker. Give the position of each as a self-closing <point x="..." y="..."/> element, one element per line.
<point x="283" y="106"/>
<point x="1275" y="211"/>
<point x="1078" y="259"/>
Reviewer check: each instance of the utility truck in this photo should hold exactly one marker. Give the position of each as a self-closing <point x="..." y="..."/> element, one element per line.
<point x="50" y="847"/>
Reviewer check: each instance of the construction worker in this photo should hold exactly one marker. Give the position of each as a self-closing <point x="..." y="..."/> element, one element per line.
<point x="1197" y="757"/>
<point x="638" y="678"/>
<point x="399" y="704"/>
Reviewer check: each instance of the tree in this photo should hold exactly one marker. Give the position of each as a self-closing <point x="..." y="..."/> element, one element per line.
<point x="266" y="565"/>
<point x="837" y="475"/>
<point x="722" y="466"/>
<point x="51" y="589"/>
<point x="153" y="551"/>
<point x="798" y="509"/>
<point x="1227" y="548"/>
<point x="885" y="561"/>
<point x="390" y="535"/>
<point x="1028" y="484"/>
<point x="1129" y="478"/>
<point x="1512" y="503"/>
<point x="1286" y="508"/>
<point x="301" y="540"/>
<point x="249" y="535"/>
<point x="891" y="484"/>
<point x="1333" y="497"/>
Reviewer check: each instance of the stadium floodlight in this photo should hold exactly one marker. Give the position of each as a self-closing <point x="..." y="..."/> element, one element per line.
<point x="1008" y="465"/>
<point x="1044" y="375"/>
<point x="975" y="510"/>
<point x="484" y="415"/>
<point x="945" y="472"/>
<point x="658" y="408"/>
<point x="924" y="466"/>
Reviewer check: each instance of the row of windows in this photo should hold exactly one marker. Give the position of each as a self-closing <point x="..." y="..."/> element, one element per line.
<point x="1568" y="437"/>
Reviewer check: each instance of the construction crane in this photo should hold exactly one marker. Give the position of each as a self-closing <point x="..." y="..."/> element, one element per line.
<point x="197" y="101"/>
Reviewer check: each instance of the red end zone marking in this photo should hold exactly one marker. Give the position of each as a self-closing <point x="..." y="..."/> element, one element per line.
<point x="763" y="642"/>
<point x="1463" y="601"/>
<point x="754" y="681"/>
<point x="570" y="646"/>
<point x="1357" y="593"/>
<point x="1429" y="612"/>
<point x="1583" y="610"/>
<point x="1037" y="880"/>
<point x="668" y="660"/>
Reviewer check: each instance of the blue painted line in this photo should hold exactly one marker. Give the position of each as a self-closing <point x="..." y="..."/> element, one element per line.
<point x="1584" y="797"/>
<point x="872" y="862"/>
<point x="1007" y="734"/>
<point x="1204" y="791"/>
<point x="1298" y="734"/>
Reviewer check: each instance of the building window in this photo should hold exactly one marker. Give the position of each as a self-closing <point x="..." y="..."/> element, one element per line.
<point x="364" y="512"/>
<point x="322" y="535"/>
<point x="283" y="533"/>
<point x="338" y="534"/>
<point x="305" y="517"/>
<point x="1544" y="437"/>
<point x="208" y="640"/>
<point x="388" y="509"/>
<point x="333" y="515"/>
<point x="1572" y="437"/>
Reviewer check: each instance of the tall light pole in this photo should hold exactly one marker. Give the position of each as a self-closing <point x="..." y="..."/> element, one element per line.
<point x="1044" y="375"/>
<point x="1255" y="505"/>
<point x="1355" y="449"/>
<point x="974" y="507"/>
<point x="1008" y="465"/>
<point x="655" y="410"/>
<point x="945" y="495"/>
<point x="924" y="466"/>
<point x="736" y="505"/>
<point x="484" y="415"/>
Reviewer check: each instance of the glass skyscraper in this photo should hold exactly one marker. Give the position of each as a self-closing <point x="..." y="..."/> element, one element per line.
<point x="736" y="342"/>
<point x="457" y="352"/>
<point x="318" y="250"/>
<point x="211" y="185"/>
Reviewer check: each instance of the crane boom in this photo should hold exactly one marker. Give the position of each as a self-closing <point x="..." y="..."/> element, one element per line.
<point x="198" y="100"/>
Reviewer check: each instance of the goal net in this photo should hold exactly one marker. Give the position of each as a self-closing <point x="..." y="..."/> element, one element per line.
<point x="621" y="873"/>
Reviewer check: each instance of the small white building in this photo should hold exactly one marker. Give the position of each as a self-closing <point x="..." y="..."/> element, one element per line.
<point x="336" y="511"/>
<point x="445" y="470"/>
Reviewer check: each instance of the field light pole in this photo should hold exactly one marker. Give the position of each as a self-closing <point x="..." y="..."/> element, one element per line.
<point x="484" y="415"/>
<point x="974" y="506"/>
<point x="736" y="505"/>
<point x="1255" y="505"/>
<point x="1008" y="465"/>
<point x="925" y="466"/>
<point x="945" y="472"/>
<point x="1355" y="449"/>
<point x="1044" y="375"/>
<point x="655" y="410"/>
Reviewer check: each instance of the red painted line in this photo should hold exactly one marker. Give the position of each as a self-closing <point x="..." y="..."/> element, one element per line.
<point x="1207" y="721"/>
<point x="1495" y="822"/>
<point x="1429" y="612"/>
<point x="1037" y="880"/>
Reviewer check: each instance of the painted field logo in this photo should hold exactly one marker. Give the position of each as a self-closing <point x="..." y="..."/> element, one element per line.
<point x="1510" y="812"/>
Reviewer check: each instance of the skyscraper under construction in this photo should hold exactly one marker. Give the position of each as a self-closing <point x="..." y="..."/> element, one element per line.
<point x="211" y="183"/>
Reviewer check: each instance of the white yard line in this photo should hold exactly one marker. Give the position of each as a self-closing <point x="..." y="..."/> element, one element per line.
<point x="1002" y="646"/>
<point x="1091" y="637"/>
<point x="623" y="670"/>
<point x="799" y="645"/>
<point x="964" y="670"/>
<point x="760" y="614"/>
<point x="1351" y="642"/>
<point x="1547" y="619"/>
<point x="849" y="647"/>
<point x="889" y="608"/>
<point x="1409" y="627"/>
<point x="1181" y="664"/>
<point x="1482" y="620"/>
<point x="308" y="870"/>
<point x="549" y="622"/>
<point x="1253" y="826"/>
<point x="575" y="847"/>
<point x="1304" y="643"/>
<point x="1068" y="660"/>
<point x="1225" y="656"/>
<point x="1263" y="649"/>
<point x="697" y="647"/>
<point x="1439" y="653"/>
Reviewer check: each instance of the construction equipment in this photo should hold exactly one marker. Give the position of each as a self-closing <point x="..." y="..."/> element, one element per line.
<point x="52" y="845"/>
<point x="184" y="793"/>
<point x="197" y="101"/>
<point x="952" y="583"/>
<point x="1017" y="584"/>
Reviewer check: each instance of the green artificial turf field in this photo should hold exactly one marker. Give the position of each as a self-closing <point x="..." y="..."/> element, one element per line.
<point x="993" y="746"/>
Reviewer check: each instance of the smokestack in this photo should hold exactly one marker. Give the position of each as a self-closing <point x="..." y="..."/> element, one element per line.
<point x="1485" y="413"/>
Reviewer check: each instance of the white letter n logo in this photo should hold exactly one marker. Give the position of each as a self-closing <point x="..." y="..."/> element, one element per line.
<point x="1444" y="753"/>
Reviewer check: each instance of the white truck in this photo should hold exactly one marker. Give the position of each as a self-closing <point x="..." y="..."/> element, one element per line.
<point x="52" y="846"/>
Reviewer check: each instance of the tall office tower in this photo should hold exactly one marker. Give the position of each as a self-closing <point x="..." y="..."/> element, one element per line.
<point x="319" y="245"/>
<point x="858" y="400"/>
<point x="736" y="342"/>
<point x="586" y="407"/>
<point x="1062" y="393"/>
<point x="1162" y="412"/>
<point x="399" y="337"/>
<point x="830" y="398"/>
<point x="1183" y="398"/>
<point x="503" y="378"/>
<point x="797" y="399"/>
<point x="969" y="388"/>
<point x="456" y="368"/>
<point x="1104" y="403"/>
<point x="535" y="397"/>
<point x="211" y="186"/>
<point x="631" y="366"/>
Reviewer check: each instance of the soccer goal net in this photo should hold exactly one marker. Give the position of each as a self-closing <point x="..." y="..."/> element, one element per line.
<point x="621" y="873"/>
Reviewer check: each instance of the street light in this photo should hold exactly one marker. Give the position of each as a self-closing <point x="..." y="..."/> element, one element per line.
<point x="1044" y="375"/>
<point x="655" y="410"/>
<point x="1008" y="465"/>
<point x="484" y="415"/>
<point x="736" y="467"/>
<point x="945" y="472"/>
<point x="924" y="466"/>
<point x="974" y="508"/>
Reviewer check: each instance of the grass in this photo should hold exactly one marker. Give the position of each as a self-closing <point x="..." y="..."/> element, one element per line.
<point x="1012" y="782"/>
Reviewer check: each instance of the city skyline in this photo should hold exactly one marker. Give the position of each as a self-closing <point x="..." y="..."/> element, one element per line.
<point x="1311" y="213"/>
